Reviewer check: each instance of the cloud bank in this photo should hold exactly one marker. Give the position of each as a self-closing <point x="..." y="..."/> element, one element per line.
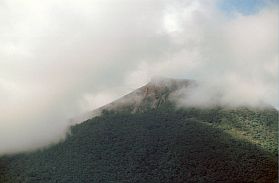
<point x="62" y="58"/>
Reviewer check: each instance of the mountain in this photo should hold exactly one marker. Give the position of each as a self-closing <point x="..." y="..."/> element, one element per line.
<point x="147" y="97"/>
<point x="144" y="137"/>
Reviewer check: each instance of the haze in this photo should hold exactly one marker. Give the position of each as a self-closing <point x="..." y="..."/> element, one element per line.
<point x="59" y="59"/>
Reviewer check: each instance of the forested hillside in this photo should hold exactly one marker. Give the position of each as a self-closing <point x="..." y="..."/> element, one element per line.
<point x="157" y="144"/>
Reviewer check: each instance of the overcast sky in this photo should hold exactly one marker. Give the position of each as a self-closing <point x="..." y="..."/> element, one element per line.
<point x="61" y="58"/>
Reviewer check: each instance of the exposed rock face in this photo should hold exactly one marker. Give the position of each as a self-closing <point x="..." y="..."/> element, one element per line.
<point x="149" y="96"/>
<point x="155" y="93"/>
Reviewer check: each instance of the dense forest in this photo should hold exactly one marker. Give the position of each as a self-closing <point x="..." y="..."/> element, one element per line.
<point x="162" y="144"/>
<point x="144" y="137"/>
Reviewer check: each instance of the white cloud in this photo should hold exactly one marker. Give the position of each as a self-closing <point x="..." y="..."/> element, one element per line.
<point x="235" y="59"/>
<point x="60" y="58"/>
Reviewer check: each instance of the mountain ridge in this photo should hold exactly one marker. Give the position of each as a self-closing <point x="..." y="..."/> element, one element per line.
<point x="156" y="91"/>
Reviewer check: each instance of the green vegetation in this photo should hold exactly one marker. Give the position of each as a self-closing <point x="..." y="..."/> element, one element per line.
<point x="258" y="126"/>
<point x="158" y="145"/>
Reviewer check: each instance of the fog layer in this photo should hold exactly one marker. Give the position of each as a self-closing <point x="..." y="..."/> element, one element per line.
<point x="59" y="59"/>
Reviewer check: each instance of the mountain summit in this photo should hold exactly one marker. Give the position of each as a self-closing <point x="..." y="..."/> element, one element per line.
<point x="150" y="96"/>
<point x="147" y="97"/>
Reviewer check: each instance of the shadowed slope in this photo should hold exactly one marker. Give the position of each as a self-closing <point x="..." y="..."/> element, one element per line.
<point x="157" y="146"/>
<point x="149" y="140"/>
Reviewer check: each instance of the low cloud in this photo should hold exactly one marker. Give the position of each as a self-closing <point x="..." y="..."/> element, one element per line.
<point x="235" y="59"/>
<point x="61" y="59"/>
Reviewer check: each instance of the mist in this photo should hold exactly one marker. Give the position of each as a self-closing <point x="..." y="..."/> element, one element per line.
<point x="59" y="59"/>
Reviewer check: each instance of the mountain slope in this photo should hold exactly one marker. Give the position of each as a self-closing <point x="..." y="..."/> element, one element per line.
<point x="149" y="140"/>
<point x="147" y="97"/>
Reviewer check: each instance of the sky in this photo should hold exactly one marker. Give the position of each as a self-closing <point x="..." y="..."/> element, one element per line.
<point x="60" y="59"/>
<point x="245" y="7"/>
